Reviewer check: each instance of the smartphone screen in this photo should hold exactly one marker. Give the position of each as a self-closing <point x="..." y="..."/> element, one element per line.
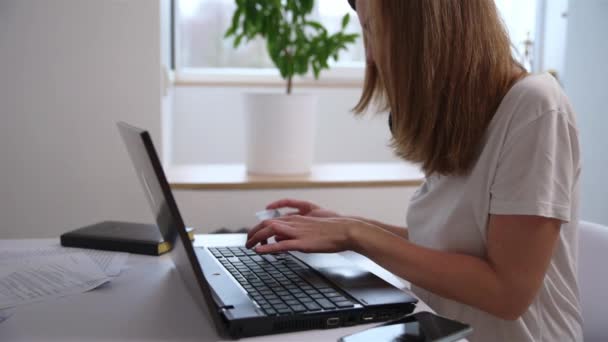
<point x="419" y="327"/>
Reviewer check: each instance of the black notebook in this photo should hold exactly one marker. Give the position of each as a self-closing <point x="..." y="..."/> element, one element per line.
<point x="119" y="236"/>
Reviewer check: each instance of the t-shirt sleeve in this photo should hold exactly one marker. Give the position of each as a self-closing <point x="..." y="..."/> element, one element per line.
<point x="537" y="168"/>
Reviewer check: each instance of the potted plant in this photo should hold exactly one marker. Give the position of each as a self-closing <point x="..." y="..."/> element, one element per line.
<point x="281" y="127"/>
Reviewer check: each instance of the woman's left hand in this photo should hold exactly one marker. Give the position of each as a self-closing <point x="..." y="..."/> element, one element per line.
<point x="305" y="234"/>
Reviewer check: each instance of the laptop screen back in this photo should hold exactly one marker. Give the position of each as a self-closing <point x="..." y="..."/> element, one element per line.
<point x="148" y="174"/>
<point x="152" y="178"/>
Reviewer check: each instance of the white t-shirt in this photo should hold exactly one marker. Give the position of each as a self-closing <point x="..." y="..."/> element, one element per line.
<point x="529" y="165"/>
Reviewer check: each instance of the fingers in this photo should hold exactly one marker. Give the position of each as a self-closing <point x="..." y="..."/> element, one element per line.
<point x="263" y="234"/>
<point x="257" y="227"/>
<point x="278" y="238"/>
<point x="302" y="206"/>
<point x="277" y="247"/>
<point x="269" y="222"/>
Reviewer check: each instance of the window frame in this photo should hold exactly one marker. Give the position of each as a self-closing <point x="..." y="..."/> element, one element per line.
<point x="347" y="75"/>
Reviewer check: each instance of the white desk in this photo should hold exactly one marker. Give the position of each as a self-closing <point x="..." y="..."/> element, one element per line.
<point x="146" y="302"/>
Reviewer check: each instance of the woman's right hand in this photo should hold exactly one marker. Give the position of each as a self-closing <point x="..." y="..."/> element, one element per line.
<point x="304" y="208"/>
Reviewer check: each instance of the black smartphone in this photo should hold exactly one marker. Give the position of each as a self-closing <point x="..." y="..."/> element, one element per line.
<point x="419" y="327"/>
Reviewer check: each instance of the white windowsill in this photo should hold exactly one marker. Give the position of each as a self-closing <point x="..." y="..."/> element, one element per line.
<point x="338" y="77"/>
<point x="331" y="175"/>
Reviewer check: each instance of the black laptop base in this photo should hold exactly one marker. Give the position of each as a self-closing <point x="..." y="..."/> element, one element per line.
<point x="321" y="320"/>
<point x="293" y="296"/>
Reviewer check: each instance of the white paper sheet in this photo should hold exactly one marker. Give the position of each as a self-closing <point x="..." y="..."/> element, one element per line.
<point x="38" y="278"/>
<point x="112" y="263"/>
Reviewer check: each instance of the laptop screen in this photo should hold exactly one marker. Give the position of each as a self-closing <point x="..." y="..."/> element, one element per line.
<point x="152" y="178"/>
<point x="149" y="171"/>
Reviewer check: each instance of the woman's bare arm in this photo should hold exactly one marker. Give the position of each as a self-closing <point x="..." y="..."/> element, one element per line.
<point x="397" y="230"/>
<point x="504" y="283"/>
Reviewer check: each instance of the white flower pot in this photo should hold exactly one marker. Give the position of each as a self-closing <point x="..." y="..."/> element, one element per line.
<point x="280" y="133"/>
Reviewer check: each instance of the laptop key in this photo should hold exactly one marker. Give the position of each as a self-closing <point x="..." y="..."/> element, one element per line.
<point x="338" y="299"/>
<point x="312" y="278"/>
<point x="317" y="296"/>
<point x="298" y="308"/>
<point x="269" y="258"/>
<point x="325" y="304"/>
<point x="292" y="302"/>
<point x="345" y="304"/>
<point x="312" y="306"/>
<point x="283" y="311"/>
<point x="270" y="311"/>
<point x="296" y="292"/>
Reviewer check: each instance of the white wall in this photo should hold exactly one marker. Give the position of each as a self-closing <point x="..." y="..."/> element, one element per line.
<point x="208" y="126"/>
<point x="586" y="81"/>
<point x="69" y="69"/>
<point x="209" y="210"/>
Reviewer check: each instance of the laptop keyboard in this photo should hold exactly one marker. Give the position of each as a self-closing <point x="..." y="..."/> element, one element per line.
<point x="279" y="283"/>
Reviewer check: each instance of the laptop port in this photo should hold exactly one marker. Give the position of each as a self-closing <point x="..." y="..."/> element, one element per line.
<point x="367" y="317"/>
<point x="384" y="315"/>
<point x="333" y="321"/>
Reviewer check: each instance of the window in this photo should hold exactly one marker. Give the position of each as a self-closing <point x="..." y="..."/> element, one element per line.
<point x="201" y="48"/>
<point x="520" y="18"/>
<point x="201" y="25"/>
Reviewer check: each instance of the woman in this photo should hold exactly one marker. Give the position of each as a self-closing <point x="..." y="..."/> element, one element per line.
<point x="491" y="237"/>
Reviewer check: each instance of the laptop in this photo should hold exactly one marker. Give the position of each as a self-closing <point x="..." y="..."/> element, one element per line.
<point x="247" y="294"/>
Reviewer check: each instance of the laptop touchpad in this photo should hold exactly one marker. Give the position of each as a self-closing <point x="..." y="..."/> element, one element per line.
<point x="365" y="286"/>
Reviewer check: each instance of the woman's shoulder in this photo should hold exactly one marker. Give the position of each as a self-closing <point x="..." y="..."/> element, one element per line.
<point x="533" y="97"/>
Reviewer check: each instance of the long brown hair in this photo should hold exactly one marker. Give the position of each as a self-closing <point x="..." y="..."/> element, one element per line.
<point x="441" y="67"/>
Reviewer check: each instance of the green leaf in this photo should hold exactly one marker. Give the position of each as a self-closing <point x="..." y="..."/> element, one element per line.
<point x="282" y="65"/>
<point x="315" y="25"/>
<point x="295" y="42"/>
<point x="237" y="40"/>
<point x="235" y="23"/>
<point x="345" y="20"/>
<point x="307" y="6"/>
